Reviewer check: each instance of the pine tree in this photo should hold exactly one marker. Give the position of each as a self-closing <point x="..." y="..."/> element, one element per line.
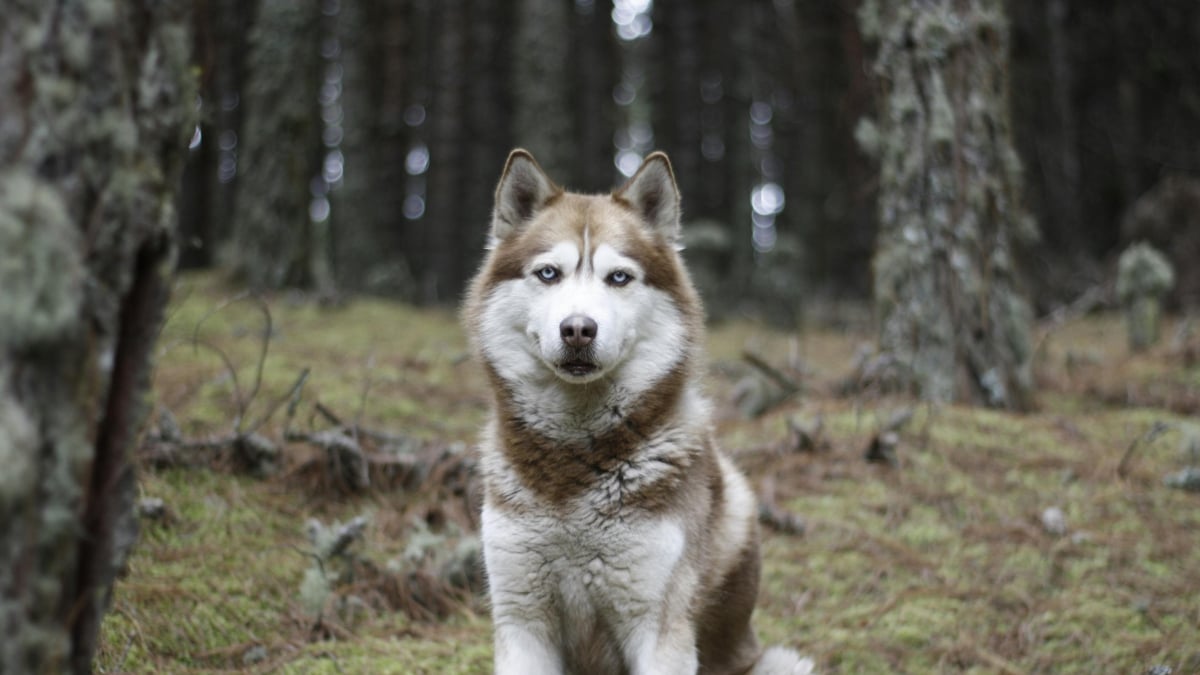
<point x="950" y="213"/>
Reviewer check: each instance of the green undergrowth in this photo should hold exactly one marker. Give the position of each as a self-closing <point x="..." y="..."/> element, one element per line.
<point x="940" y="562"/>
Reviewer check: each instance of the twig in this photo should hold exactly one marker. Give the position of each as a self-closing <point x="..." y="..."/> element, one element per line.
<point x="780" y="520"/>
<point x="358" y="430"/>
<point x="208" y="443"/>
<point x="1154" y="432"/>
<point x="243" y="402"/>
<point x="328" y="414"/>
<point x="266" y="345"/>
<point x="293" y="395"/>
<point x="774" y="516"/>
<point x="1086" y="302"/>
<point x="238" y="399"/>
<point x="789" y="385"/>
<point x="1078" y="307"/>
<point x="366" y="389"/>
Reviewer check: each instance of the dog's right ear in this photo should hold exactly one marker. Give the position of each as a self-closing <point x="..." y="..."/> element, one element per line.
<point x="523" y="190"/>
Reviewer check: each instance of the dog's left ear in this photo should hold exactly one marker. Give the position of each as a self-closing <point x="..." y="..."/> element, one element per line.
<point x="523" y="190"/>
<point x="654" y="196"/>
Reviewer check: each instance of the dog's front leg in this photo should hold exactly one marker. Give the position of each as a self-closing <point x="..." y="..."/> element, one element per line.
<point x="525" y="650"/>
<point x="663" y="640"/>
<point x="669" y="652"/>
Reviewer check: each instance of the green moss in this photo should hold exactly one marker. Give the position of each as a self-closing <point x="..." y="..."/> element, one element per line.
<point x="939" y="564"/>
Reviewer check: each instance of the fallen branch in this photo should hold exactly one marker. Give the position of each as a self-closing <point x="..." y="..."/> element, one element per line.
<point x="346" y="459"/>
<point x="1151" y="434"/>
<point x="774" y="516"/>
<point x="787" y="384"/>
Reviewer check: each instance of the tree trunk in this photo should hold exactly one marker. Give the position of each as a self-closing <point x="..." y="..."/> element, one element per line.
<point x="96" y="104"/>
<point x="542" y="119"/>
<point x="275" y="241"/>
<point x="488" y="123"/>
<point x="445" y="271"/>
<point x="676" y="108"/>
<point x="595" y="58"/>
<point x="365" y="246"/>
<point x="949" y="203"/>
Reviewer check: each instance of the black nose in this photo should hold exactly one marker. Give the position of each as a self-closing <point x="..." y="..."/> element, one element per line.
<point x="577" y="330"/>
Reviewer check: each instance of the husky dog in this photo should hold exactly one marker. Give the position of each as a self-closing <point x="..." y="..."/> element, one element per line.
<point x="617" y="538"/>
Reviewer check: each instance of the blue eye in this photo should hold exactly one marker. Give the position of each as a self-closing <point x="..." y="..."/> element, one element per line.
<point x="547" y="274"/>
<point x="619" y="278"/>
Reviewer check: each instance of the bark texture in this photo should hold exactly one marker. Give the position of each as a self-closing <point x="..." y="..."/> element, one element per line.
<point x="275" y="242"/>
<point x="96" y="100"/>
<point x="950" y="214"/>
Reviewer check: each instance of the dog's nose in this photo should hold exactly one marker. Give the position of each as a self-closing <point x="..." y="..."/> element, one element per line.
<point x="577" y="330"/>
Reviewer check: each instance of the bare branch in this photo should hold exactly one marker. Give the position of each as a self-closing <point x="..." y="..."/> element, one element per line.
<point x="789" y="385"/>
<point x="238" y="399"/>
<point x="1156" y="430"/>
<point x="292" y="395"/>
<point x="268" y="327"/>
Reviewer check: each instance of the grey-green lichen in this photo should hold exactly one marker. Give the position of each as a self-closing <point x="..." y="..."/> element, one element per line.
<point x="330" y="560"/>
<point x="1144" y="276"/>
<point x="18" y="447"/>
<point x="1143" y="271"/>
<point x="40" y="266"/>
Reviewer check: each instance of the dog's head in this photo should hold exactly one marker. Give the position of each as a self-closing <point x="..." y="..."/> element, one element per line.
<point x="581" y="287"/>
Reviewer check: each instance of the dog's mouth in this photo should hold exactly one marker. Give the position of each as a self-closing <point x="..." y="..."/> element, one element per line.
<point x="578" y="364"/>
<point x="578" y="367"/>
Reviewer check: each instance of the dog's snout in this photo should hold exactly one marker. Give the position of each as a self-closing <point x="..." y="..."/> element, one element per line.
<point x="577" y="330"/>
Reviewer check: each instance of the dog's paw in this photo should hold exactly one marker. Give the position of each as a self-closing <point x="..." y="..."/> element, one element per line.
<point x="783" y="661"/>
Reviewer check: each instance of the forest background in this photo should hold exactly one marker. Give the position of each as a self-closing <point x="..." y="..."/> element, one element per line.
<point x="355" y="146"/>
<point x="236" y="407"/>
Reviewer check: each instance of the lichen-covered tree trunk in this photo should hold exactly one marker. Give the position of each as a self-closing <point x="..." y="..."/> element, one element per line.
<point x="275" y="242"/>
<point x="945" y="288"/>
<point x="95" y="113"/>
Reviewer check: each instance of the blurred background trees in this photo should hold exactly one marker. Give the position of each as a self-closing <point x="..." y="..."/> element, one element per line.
<point x="372" y="158"/>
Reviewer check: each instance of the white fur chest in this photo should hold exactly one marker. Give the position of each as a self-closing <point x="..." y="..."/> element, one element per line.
<point x="578" y="564"/>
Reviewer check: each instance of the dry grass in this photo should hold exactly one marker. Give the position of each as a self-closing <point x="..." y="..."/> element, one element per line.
<point x="938" y="564"/>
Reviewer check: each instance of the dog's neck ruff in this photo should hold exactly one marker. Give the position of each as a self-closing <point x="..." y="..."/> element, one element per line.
<point x="568" y="413"/>
<point x="559" y="454"/>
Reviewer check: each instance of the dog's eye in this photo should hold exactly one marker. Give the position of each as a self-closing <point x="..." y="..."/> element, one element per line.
<point x="619" y="278"/>
<point x="547" y="274"/>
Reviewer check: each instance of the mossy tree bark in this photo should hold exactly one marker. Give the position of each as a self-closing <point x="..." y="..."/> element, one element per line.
<point x="950" y="213"/>
<point x="96" y="104"/>
<point x="275" y="242"/>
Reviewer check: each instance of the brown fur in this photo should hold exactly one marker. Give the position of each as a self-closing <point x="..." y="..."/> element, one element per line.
<point x="558" y="472"/>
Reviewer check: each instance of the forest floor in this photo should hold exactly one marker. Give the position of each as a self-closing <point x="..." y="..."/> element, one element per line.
<point x="1046" y="542"/>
